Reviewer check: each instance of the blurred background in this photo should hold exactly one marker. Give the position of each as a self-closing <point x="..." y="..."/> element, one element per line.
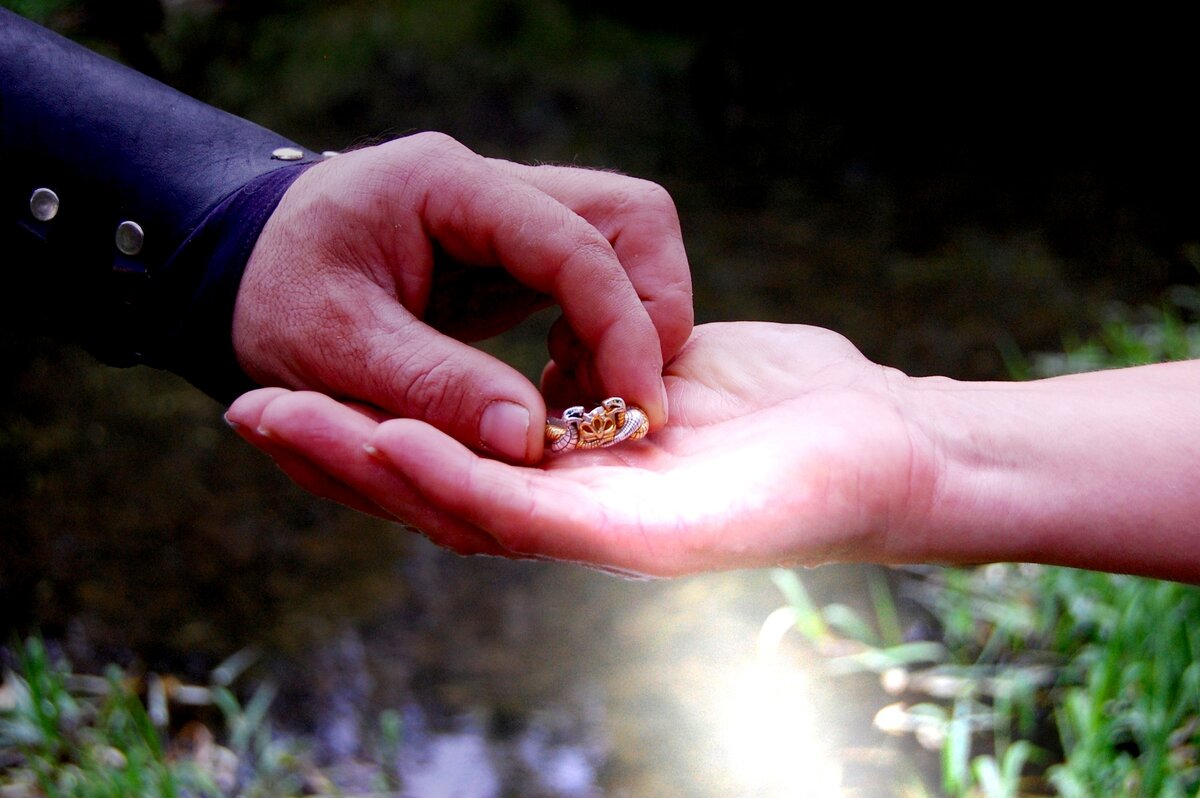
<point x="946" y="200"/>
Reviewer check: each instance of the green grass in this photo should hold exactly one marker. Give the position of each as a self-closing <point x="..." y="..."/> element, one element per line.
<point x="1050" y="680"/>
<point x="54" y="742"/>
<point x="69" y="735"/>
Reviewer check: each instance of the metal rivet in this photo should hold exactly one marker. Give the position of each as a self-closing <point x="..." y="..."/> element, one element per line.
<point x="43" y="204"/>
<point x="130" y="238"/>
<point x="287" y="154"/>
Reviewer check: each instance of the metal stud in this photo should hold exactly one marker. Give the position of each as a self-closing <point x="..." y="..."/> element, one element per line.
<point x="130" y="237"/>
<point x="287" y="154"/>
<point x="43" y="204"/>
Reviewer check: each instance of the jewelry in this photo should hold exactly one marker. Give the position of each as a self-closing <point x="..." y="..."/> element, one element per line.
<point x="607" y="425"/>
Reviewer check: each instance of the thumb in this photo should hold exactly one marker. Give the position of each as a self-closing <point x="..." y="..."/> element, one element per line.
<point x="413" y="371"/>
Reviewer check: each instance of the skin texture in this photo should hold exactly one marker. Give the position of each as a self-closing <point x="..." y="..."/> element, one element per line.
<point x="785" y="445"/>
<point x="379" y="263"/>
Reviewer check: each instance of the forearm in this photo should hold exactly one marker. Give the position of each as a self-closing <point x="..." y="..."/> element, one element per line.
<point x="1097" y="470"/>
<point x="108" y="149"/>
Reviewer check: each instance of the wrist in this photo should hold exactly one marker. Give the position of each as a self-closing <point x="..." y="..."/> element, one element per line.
<point x="1091" y="470"/>
<point x="191" y="328"/>
<point x="976" y="462"/>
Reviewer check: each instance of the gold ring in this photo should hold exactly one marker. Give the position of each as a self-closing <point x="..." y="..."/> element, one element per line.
<point x="607" y="425"/>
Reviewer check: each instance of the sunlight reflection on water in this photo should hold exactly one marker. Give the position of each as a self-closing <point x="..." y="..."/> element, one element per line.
<point x="773" y="734"/>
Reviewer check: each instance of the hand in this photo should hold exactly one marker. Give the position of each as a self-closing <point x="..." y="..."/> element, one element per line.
<point x="784" y="445"/>
<point x="378" y="263"/>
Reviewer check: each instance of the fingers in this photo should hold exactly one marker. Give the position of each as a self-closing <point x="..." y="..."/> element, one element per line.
<point x="327" y="438"/>
<point x="526" y="509"/>
<point x="333" y="294"/>
<point x="479" y="214"/>
<point x="323" y="306"/>
<point x="245" y="415"/>
<point x="416" y="372"/>
<point x="462" y="485"/>
<point x="639" y="220"/>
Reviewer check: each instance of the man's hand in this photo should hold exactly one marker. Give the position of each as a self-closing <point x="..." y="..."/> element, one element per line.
<point x="379" y="263"/>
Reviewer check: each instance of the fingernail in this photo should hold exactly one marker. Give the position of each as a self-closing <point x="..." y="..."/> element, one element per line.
<point x="665" y="408"/>
<point x="263" y="431"/>
<point x="504" y="429"/>
<point x="231" y="423"/>
<point x="372" y="451"/>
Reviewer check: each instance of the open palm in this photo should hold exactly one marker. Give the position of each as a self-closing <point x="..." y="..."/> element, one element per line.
<point x="784" y="445"/>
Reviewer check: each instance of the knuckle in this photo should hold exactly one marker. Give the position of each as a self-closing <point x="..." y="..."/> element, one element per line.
<point x="656" y="196"/>
<point x="647" y="196"/>
<point x="431" y="388"/>
<point x="442" y="155"/>
<point x="591" y="259"/>
<point x="417" y="162"/>
<point x="435" y="141"/>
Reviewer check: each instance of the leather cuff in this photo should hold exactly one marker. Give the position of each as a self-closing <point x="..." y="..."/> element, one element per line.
<point x="140" y="203"/>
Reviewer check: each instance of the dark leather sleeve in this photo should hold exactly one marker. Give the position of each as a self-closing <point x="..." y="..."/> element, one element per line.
<point x="118" y="149"/>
